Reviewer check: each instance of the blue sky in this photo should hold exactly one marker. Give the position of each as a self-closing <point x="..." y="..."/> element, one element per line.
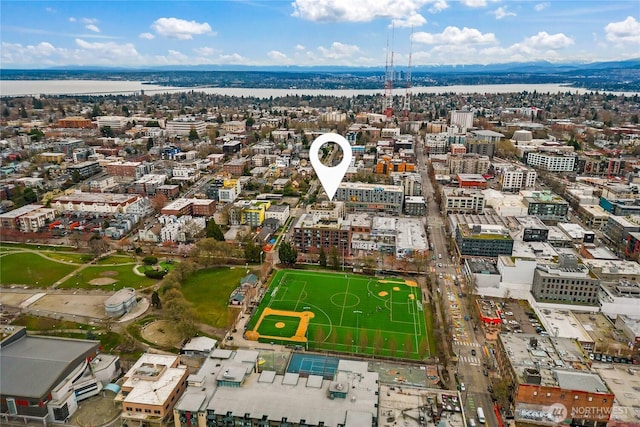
<point x="37" y="34"/>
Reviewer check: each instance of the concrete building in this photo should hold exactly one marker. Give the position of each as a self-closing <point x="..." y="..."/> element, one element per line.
<point x="551" y="383"/>
<point x="325" y="209"/>
<point x="361" y="197"/>
<point x="44" y="378"/>
<point x="468" y="164"/>
<point x="566" y="282"/>
<point x="617" y="228"/>
<point x="228" y="389"/>
<point x="84" y="169"/>
<point x="462" y="200"/>
<point x="593" y="216"/>
<point x="182" y="126"/>
<point x="193" y="207"/>
<point x="551" y="162"/>
<point x="96" y="202"/>
<point x="483" y="272"/>
<point x="151" y="388"/>
<point x="313" y="232"/>
<point x="134" y="170"/>
<point x="11" y="220"/>
<point x="630" y="326"/>
<point x="411" y="238"/>
<point x="415" y="205"/>
<point x="120" y="303"/>
<point x="113" y="122"/>
<point x="462" y="119"/>
<point x="482" y="240"/>
<point x="516" y="178"/>
<point x="278" y="212"/>
<point x="410" y="182"/>
<point x="545" y="205"/>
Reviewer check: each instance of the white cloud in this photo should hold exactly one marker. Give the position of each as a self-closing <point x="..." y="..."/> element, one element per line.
<point x="300" y="47"/>
<point x="339" y="50"/>
<point x="438" y="6"/>
<point x="502" y="12"/>
<point x="276" y="55"/>
<point x="414" y="20"/>
<point x="109" y="49"/>
<point x="50" y="10"/>
<point x="179" y="28"/>
<point x="89" y="21"/>
<point x="92" y="27"/>
<point x="627" y="31"/>
<point x="474" y="3"/>
<point x="16" y="53"/>
<point x="542" y="40"/>
<point x="360" y="10"/>
<point x="234" y="58"/>
<point x="147" y="36"/>
<point x="72" y="19"/>
<point x="205" y="51"/>
<point x="541" y="6"/>
<point x="455" y="36"/>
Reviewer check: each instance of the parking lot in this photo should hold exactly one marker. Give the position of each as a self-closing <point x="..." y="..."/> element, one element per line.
<point x="518" y="317"/>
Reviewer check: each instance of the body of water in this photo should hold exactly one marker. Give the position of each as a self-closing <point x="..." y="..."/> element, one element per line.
<point x="108" y="87"/>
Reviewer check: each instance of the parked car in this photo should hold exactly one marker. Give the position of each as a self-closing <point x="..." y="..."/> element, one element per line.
<point x="473" y="352"/>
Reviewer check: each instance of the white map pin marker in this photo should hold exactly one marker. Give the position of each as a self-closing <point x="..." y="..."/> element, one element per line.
<point x="330" y="177"/>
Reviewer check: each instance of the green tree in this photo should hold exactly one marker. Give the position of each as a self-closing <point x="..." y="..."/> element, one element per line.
<point x="287" y="253"/>
<point x="75" y="176"/>
<point x="323" y="258"/>
<point x="193" y="134"/>
<point x="252" y="252"/>
<point x="213" y="231"/>
<point x="155" y="300"/>
<point x="250" y="121"/>
<point x="334" y="258"/>
<point x="95" y="112"/>
<point x="29" y="195"/>
<point x="106" y="131"/>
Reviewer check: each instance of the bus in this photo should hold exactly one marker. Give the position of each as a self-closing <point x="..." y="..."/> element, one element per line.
<point x="481" y="419"/>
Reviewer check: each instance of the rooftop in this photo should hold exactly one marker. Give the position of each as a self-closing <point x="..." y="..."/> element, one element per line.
<point x="565" y="324"/>
<point x="31" y="365"/>
<point x="152" y="379"/>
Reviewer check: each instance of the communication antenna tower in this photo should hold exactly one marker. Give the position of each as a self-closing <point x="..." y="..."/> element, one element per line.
<point x="406" y="105"/>
<point x="387" y="103"/>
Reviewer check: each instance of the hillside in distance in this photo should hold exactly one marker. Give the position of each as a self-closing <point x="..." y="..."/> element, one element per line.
<point x="610" y="76"/>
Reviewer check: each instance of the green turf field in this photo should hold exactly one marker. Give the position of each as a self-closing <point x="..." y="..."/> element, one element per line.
<point x="350" y="313"/>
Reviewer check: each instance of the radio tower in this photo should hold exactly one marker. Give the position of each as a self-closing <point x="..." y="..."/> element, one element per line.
<point x="387" y="100"/>
<point x="406" y="105"/>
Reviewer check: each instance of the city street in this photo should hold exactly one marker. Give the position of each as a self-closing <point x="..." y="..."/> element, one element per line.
<point x="469" y="367"/>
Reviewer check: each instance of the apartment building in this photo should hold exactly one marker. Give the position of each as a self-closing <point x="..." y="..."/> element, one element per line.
<point x="193" y="207"/>
<point x="462" y="119"/>
<point x="182" y="126"/>
<point x="312" y="233"/>
<point x="133" y="170"/>
<point x="515" y="178"/>
<point x="75" y="122"/>
<point x="462" y="200"/>
<point x="483" y="240"/>
<point x="151" y="388"/>
<point x="371" y="197"/>
<point x="551" y="162"/>
<point x="468" y="163"/>
<point x="545" y="205"/>
<point x="85" y="169"/>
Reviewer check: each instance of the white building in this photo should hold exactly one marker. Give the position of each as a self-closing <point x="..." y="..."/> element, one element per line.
<point x="185" y="174"/>
<point x="462" y="200"/>
<point x="516" y="178"/>
<point x="278" y="212"/>
<point x="552" y="162"/>
<point x="114" y="122"/>
<point x="462" y="119"/>
<point x="516" y="270"/>
<point x="182" y="126"/>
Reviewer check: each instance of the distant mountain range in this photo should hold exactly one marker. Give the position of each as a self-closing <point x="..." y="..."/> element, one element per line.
<point x="623" y="76"/>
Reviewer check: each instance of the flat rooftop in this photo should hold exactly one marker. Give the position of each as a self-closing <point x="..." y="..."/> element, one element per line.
<point x="411" y="234"/>
<point x="152" y="379"/>
<point x="533" y="250"/>
<point x="565" y="324"/>
<point x="32" y="365"/>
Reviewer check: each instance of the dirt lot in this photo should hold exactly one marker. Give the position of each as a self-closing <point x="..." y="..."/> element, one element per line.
<point x="79" y="305"/>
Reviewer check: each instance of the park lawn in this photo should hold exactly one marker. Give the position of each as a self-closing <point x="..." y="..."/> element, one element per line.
<point x="123" y="274"/>
<point x="209" y="290"/>
<point x="351" y="313"/>
<point x="117" y="259"/>
<point x="75" y="258"/>
<point x="27" y="268"/>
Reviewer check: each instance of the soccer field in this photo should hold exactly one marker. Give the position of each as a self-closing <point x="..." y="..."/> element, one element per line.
<point x="343" y="312"/>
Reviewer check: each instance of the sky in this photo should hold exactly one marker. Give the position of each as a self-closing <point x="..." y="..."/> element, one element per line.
<point x="41" y="34"/>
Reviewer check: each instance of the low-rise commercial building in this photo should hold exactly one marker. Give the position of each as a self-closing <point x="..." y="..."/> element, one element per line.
<point x="482" y="240"/>
<point x="550" y="381"/>
<point x="546" y="205"/>
<point x="567" y="282"/>
<point x="462" y="200"/>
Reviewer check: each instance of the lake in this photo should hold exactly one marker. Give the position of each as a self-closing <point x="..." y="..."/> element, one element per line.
<point x="107" y="87"/>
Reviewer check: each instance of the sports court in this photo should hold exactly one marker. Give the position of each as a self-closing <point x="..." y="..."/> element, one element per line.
<point x="342" y="312"/>
<point x="311" y="364"/>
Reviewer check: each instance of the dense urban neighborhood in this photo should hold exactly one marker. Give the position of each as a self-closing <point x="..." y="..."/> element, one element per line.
<point x="171" y="259"/>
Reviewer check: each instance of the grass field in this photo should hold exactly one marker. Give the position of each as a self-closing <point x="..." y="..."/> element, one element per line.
<point x="209" y="291"/>
<point x="122" y="274"/>
<point x="26" y="268"/>
<point x="347" y="313"/>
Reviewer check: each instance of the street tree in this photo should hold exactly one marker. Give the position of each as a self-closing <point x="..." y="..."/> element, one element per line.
<point x="213" y="230"/>
<point x="322" y="259"/>
<point x="287" y="253"/>
<point x="334" y="258"/>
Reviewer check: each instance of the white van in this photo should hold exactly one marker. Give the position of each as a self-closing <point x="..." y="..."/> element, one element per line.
<point x="481" y="419"/>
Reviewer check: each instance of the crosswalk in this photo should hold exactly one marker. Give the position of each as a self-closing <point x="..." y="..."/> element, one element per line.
<point x="469" y="360"/>
<point x="467" y="343"/>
